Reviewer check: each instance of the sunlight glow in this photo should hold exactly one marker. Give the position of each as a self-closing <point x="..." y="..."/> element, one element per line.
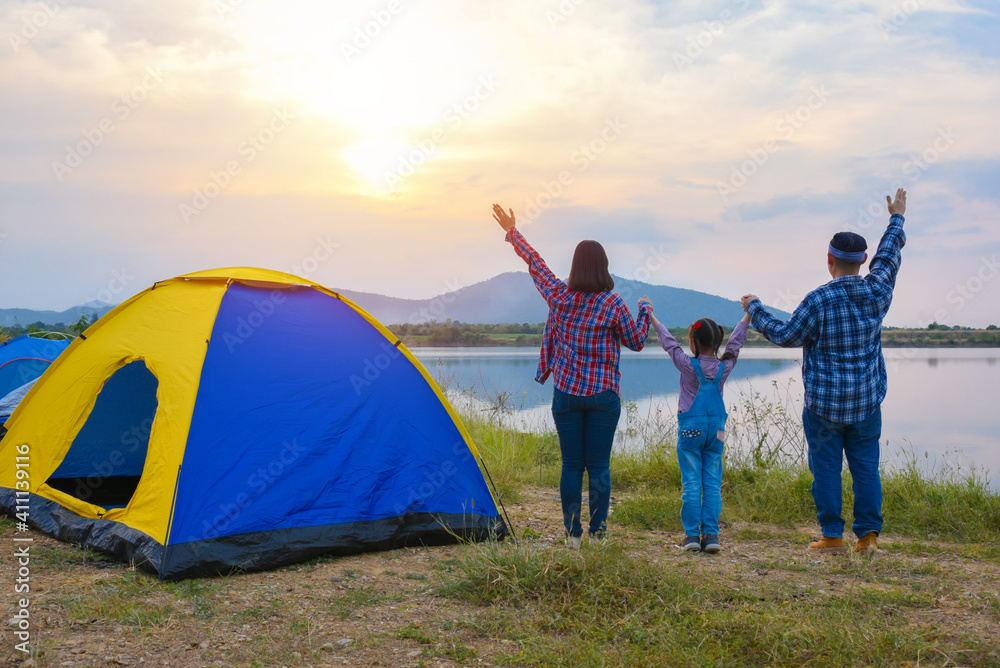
<point x="377" y="160"/>
<point x="400" y="81"/>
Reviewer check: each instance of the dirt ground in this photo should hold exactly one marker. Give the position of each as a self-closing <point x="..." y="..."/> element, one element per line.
<point x="382" y="609"/>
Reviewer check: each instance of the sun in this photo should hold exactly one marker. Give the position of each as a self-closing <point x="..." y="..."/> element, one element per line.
<point x="388" y="79"/>
<point x="380" y="161"/>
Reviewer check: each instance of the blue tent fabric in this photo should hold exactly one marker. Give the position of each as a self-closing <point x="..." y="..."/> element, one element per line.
<point x="25" y="358"/>
<point x="13" y="398"/>
<point x="309" y="423"/>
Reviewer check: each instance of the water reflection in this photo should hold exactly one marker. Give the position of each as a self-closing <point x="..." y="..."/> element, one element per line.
<point x="940" y="401"/>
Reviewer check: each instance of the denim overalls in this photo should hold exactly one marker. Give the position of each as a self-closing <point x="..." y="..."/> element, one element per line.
<point x="701" y="436"/>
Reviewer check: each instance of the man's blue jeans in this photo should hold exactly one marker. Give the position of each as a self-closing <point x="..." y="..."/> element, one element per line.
<point x="586" y="427"/>
<point x="828" y="443"/>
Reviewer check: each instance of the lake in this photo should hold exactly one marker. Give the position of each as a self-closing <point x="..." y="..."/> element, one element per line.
<point x="941" y="404"/>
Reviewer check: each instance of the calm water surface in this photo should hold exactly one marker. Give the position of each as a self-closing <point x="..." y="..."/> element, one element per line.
<point x="941" y="404"/>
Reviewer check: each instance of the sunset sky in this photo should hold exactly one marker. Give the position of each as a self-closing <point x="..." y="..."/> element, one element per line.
<point x="708" y="145"/>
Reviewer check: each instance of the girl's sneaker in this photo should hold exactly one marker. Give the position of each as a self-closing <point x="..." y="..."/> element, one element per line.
<point x="574" y="542"/>
<point x="691" y="544"/>
<point x="710" y="544"/>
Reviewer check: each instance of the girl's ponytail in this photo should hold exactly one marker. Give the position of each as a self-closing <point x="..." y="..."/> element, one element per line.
<point x="707" y="335"/>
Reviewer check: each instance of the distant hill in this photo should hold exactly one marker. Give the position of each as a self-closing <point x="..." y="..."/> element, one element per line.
<point x="508" y="298"/>
<point x="511" y="297"/>
<point x="10" y="317"/>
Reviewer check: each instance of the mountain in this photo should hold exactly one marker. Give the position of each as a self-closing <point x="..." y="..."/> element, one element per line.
<point x="511" y="297"/>
<point x="22" y="316"/>
<point x="507" y="298"/>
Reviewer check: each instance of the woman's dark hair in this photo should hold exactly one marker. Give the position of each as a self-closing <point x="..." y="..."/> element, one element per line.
<point x="589" y="272"/>
<point x="707" y="335"/>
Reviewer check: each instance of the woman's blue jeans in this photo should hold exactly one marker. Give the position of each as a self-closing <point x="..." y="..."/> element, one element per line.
<point x="586" y="428"/>
<point x="828" y="443"/>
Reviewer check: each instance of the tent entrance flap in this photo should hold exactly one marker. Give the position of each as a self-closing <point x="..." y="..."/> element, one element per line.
<point x="105" y="462"/>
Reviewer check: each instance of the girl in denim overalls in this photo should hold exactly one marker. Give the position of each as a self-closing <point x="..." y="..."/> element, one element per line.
<point x="701" y="425"/>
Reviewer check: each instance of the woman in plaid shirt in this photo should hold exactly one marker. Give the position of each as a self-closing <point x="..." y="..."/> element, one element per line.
<point x="581" y="345"/>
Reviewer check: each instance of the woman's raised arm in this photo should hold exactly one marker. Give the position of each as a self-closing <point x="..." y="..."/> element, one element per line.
<point x="550" y="287"/>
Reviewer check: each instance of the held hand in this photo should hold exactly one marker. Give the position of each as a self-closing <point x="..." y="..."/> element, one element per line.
<point x="897" y="205"/>
<point x="745" y="302"/>
<point x="506" y="221"/>
<point x="645" y="300"/>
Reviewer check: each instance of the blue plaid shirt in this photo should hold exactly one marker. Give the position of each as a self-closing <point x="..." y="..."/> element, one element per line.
<point x="839" y="327"/>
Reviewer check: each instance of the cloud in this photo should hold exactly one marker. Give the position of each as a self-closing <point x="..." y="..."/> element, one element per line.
<point x="565" y="70"/>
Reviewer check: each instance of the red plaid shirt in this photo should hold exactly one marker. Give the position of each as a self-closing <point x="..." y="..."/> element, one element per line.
<point x="582" y="341"/>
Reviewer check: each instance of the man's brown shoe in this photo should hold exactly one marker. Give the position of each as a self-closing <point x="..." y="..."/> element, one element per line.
<point x="867" y="544"/>
<point x="829" y="545"/>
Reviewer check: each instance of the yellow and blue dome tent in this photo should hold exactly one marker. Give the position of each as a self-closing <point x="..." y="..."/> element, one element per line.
<point x="241" y="419"/>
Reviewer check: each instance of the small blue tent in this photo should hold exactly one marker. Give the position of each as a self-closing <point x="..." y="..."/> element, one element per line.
<point x="241" y="419"/>
<point x="25" y="358"/>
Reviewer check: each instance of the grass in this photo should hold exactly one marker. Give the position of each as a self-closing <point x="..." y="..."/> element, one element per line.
<point x="633" y="600"/>
<point x="765" y="480"/>
<point x="606" y="607"/>
<point x="132" y="599"/>
<point x="348" y="602"/>
<point x="615" y="610"/>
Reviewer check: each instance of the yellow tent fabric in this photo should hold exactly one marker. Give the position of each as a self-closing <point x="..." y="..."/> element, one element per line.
<point x="169" y="325"/>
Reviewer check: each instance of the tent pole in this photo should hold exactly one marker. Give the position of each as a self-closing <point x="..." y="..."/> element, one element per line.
<point x="510" y="525"/>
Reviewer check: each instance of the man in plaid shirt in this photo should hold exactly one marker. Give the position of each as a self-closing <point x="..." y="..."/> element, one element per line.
<point x="839" y="326"/>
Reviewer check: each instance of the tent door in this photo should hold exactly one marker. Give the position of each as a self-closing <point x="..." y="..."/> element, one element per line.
<point x="105" y="462"/>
